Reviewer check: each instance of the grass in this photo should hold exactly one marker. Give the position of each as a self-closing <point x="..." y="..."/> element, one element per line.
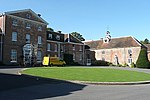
<point x="88" y="74"/>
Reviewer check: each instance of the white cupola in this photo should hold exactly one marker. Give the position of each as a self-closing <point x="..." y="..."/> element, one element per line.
<point x="107" y="37"/>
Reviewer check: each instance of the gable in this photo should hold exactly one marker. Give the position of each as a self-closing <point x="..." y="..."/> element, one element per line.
<point x="27" y="14"/>
<point x="72" y="39"/>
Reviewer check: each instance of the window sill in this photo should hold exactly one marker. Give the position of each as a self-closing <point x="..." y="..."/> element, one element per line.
<point x="13" y="61"/>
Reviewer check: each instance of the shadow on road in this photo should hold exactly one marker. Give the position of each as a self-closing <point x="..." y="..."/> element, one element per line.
<point x="23" y="87"/>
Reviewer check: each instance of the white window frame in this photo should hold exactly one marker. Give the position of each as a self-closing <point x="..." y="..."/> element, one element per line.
<point x="56" y="47"/>
<point x="39" y="56"/>
<point x="14" y="22"/>
<point x="28" y="38"/>
<point x="50" y="36"/>
<point x="57" y="37"/>
<point x="39" y="28"/>
<point x="74" y="56"/>
<point x="48" y="47"/>
<point x="28" y="25"/>
<point x="14" y="36"/>
<point x="80" y="57"/>
<point x="13" y="55"/>
<point x="39" y="39"/>
<point x="129" y="60"/>
<point x="80" y="48"/>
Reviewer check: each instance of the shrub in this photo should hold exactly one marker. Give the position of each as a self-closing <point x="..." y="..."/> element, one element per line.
<point x="100" y="63"/>
<point x="142" y="61"/>
<point x="119" y="65"/>
<point x="126" y="65"/>
<point x="68" y="58"/>
<point x="132" y="65"/>
<point x="1" y="63"/>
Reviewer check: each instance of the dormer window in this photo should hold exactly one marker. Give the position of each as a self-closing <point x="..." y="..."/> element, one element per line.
<point x="28" y="16"/>
<point x="28" y="25"/>
<point x="50" y="36"/>
<point x="15" y="22"/>
<point x="58" y="37"/>
<point x="39" y="28"/>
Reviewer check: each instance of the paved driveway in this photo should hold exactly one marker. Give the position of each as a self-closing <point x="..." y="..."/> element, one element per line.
<point x="31" y="88"/>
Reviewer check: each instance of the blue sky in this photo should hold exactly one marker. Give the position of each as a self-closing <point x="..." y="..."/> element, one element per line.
<point x="91" y="18"/>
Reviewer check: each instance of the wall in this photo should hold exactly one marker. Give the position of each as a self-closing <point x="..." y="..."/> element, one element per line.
<point x="121" y="53"/>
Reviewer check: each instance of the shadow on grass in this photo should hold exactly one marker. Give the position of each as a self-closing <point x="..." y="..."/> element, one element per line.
<point x="24" y="87"/>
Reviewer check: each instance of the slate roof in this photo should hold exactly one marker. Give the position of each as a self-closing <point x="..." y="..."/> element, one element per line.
<point x="121" y="42"/>
<point x="72" y="38"/>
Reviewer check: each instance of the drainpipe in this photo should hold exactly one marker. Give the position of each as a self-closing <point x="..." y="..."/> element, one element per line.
<point x="83" y="55"/>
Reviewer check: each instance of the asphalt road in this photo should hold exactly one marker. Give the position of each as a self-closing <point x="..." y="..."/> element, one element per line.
<point x="31" y="88"/>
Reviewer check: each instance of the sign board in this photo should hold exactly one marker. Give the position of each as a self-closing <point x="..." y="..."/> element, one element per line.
<point x="46" y="61"/>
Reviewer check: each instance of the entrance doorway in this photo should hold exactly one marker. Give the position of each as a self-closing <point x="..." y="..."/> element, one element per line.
<point x="28" y="54"/>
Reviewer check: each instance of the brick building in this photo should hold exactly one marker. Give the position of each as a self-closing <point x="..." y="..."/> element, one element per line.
<point x="75" y="47"/>
<point x="59" y="44"/>
<point x="23" y="37"/>
<point x="116" y="50"/>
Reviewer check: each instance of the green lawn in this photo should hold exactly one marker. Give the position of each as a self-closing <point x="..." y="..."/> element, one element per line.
<point x="88" y="74"/>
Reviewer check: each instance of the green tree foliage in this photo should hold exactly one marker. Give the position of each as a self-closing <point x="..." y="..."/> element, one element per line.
<point x="78" y="35"/>
<point x="68" y="58"/>
<point x="50" y="29"/>
<point x="142" y="61"/>
<point x="146" y="41"/>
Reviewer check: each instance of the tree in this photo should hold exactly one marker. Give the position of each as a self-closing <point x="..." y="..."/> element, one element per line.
<point x="142" y="61"/>
<point x="146" y="41"/>
<point x="68" y="58"/>
<point x="78" y="36"/>
<point x="50" y="29"/>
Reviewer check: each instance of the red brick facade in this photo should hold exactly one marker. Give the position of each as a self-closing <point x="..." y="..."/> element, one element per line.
<point x="16" y="22"/>
<point x="61" y="44"/>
